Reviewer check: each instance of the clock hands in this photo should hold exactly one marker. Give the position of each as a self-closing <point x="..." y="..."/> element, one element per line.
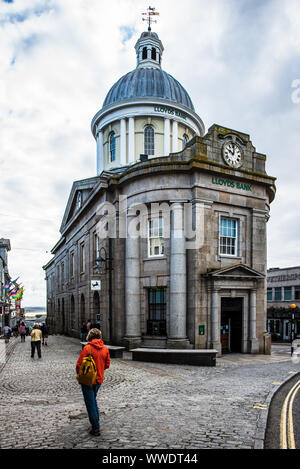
<point x="232" y="154"/>
<point x="230" y="149"/>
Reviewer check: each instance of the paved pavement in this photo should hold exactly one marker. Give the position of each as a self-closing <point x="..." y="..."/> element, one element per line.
<point x="143" y="405"/>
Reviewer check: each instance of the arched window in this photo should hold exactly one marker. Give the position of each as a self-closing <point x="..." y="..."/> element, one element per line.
<point x="153" y="53"/>
<point x="149" y="140"/>
<point x="185" y="139"/>
<point x="112" y="146"/>
<point x="144" y="53"/>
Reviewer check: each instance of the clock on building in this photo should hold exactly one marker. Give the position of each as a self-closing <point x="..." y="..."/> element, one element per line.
<point x="232" y="154"/>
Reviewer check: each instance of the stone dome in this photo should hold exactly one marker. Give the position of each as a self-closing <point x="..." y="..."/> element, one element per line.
<point x="148" y="83"/>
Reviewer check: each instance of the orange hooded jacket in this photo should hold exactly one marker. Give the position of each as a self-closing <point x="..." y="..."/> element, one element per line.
<point x="100" y="354"/>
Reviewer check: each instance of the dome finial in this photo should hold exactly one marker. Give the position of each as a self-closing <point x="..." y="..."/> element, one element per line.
<point x="150" y="12"/>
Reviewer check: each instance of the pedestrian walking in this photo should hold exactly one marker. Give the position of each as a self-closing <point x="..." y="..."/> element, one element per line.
<point x="89" y="323"/>
<point x="7" y="333"/>
<point x="22" y="331"/>
<point x="45" y="332"/>
<point x="15" y="331"/>
<point x="83" y="331"/>
<point x="36" y="336"/>
<point x="100" y="354"/>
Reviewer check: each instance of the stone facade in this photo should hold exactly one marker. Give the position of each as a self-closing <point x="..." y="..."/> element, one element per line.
<point x="212" y="295"/>
<point x="5" y="314"/>
<point x="283" y="290"/>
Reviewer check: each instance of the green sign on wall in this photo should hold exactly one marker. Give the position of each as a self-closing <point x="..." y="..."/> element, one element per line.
<point x="230" y="183"/>
<point x="201" y="329"/>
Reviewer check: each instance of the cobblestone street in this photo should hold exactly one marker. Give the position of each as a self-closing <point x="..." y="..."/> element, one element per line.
<point x="143" y="405"/>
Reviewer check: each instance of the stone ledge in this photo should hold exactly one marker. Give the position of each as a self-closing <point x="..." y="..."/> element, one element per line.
<point x="201" y="357"/>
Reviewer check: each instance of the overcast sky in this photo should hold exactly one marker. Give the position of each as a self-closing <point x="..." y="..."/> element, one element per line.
<point x="238" y="59"/>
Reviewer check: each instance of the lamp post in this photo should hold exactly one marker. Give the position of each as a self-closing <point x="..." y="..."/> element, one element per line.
<point x="106" y="261"/>
<point x="293" y="306"/>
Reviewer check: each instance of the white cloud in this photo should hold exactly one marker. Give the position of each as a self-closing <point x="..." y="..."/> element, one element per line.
<point x="237" y="60"/>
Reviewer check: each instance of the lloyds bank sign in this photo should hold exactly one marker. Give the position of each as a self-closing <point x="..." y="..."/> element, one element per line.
<point x="230" y="183"/>
<point x="169" y="110"/>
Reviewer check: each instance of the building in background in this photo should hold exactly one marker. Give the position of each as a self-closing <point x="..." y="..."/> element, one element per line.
<point x="11" y="290"/>
<point x="155" y="162"/>
<point x="5" y="316"/>
<point x="283" y="289"/>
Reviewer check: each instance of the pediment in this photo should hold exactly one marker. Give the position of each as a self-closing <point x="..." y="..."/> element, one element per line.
<point x="236" y="271"/>
<point x="84" y="188"/>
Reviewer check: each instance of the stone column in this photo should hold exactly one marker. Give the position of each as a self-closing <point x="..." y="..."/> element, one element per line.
<point x="215" y="322"/>
<point x="123" y="142"/>
<point x="131" y="148"/>
<point x="167" y="137"/>
<point x="254" y="345"/>
<point x="132" y="337"/>
<point x="100" y="162"/>
<point x="175" y="136"/>
<point x="177" y="328"/>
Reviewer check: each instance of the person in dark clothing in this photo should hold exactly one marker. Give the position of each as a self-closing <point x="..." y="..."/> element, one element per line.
<point x="36" y="336"/>
<point x="22" y="331"/>
<point x="83" y="331"/>
<point x="45" y="332"/>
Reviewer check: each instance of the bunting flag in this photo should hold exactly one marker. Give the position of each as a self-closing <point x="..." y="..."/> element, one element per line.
<point x="10" y="284"/>
<point x="18" y="295"/>
<point x="13" y="290"/>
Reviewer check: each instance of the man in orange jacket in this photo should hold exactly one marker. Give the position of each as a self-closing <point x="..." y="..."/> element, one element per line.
<point x="100" y="354"/>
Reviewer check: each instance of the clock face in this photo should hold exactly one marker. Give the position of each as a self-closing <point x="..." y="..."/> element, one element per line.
<point x="232" y="154"/>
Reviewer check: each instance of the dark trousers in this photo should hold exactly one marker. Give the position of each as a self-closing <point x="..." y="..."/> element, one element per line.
<point x="36" y="344"/>
<point x="90" y="399"/>
<point x="22" y="337"/>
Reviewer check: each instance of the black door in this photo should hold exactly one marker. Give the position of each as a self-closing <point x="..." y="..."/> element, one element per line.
<point x="231" y="324"/>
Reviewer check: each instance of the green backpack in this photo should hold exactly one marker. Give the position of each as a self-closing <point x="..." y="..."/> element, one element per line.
<point x="87" y="372"/>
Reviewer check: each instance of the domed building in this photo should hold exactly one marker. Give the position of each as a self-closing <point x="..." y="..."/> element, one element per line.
<point x="146" y="112"/>
<point x="165" y="247"/>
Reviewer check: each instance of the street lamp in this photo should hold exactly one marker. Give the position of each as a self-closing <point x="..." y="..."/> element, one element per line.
<point x="293" y="306"/>
<point x="106" y="261"/>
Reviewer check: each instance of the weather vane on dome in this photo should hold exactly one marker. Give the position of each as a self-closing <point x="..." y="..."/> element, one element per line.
<point x="150" y="12"/>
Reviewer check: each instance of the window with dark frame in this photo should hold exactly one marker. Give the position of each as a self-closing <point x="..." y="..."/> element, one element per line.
<point x="277" y="294"/>
<point x="96" y="246"/>
<point x="82" y="258"/>
<point x="297" y="293"/>
<point x="72" y="264"/>
<point x="287" y="293"/>
<point x="149" y="140"/>
<point x="185" y="139"/>
<point x="157" y="303"/>
<point x="269" y="294"/>
<point x="112" y="146"/>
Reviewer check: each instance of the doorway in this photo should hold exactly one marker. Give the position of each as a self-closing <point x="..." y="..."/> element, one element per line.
<point x="231" y="324"/>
